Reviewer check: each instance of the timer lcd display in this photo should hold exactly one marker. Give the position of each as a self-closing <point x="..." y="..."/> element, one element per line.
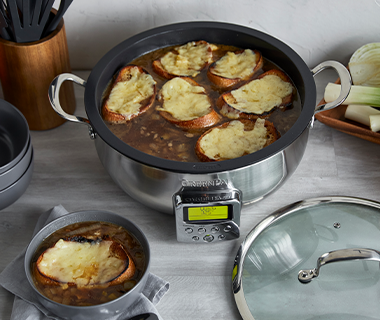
<point x="207" y="213"/>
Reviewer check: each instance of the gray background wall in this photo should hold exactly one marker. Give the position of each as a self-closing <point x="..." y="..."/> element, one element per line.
<point x="317" y="30"/>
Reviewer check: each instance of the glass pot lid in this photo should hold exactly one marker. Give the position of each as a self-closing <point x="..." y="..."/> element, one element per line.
<point x="314" y="259"/>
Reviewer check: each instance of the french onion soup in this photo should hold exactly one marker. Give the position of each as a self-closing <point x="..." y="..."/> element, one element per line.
<point x="200" y="86"/>
<point x="88" y="263"/>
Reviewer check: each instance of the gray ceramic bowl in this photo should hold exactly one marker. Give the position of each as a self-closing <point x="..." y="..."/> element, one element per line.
<point x="14" y="136"/>
<point x="101" y="311"/>
<point x="17" y="189"/>
<point x="10" y="176"/>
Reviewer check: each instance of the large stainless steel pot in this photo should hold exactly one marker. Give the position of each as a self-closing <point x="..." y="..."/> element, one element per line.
<point x="153" y="181"/>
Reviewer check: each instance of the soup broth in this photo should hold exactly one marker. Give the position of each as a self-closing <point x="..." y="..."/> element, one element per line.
<point x="71" y="294"/>
<point x="152" y="134"/>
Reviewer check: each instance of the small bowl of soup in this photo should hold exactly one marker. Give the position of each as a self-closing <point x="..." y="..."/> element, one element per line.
<point x="88" y="264"/>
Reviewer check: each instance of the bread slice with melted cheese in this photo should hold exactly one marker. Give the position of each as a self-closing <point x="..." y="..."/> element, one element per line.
<point x="234" y="139"/>
<point x="185" y="104"/>
<point x="184" y="61"/>
<point x="85" y="263"/>
<point x="259" y="97"/>
<point x="133" y="92"/>
<point x="235" y="67"/>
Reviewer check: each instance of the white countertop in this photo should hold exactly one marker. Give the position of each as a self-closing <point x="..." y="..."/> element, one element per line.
<point x="67" y="171"/>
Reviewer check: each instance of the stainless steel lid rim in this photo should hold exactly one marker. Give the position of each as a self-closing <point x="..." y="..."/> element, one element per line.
<point x="288" y="210"/>
<point x="180" y="33"/>
<point x="272" y="220"/>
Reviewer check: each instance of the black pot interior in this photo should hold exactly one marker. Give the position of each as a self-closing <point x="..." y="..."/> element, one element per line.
<point x="214" y="32"/>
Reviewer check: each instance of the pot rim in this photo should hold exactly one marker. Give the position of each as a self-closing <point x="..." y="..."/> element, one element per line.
<point x="71" y="219"/>
<point x="23" y="132"/>
<point x="112" y="62"/>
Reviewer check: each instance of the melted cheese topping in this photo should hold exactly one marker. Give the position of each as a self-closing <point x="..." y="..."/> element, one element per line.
<point x="188" y="59"/>
<point x="126" y="96"/>
<point x="261" y="95"/>
<point x="233" y="141"/>
<point x="183" y="100"/>
<point x="234" y="66"/>
<point x="81" y="263"/>
<point x="229" y="112"/>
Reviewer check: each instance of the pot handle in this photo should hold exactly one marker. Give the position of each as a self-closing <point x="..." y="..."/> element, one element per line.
<point x="345" y="80"/>
<point x="305" y="276"/>
<point x="54" y="89"/>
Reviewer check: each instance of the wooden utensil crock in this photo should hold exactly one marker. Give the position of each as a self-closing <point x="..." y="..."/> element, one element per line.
<point x="26" y="71"/>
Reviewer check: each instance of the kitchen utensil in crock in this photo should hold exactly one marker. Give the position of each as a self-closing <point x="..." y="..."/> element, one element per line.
<point x="10" y="176"/>
<point x="277" y="271"/>
<point x="29" y="68"/>
<point x="10" y="194"/>
<point x="154" y="181"/>
<point x="101" y="311"/>
<point x="3" y="26"/>
<point x="14" y="136"/>
<point x="63" y="6"/>
<point x="29" y="26"/>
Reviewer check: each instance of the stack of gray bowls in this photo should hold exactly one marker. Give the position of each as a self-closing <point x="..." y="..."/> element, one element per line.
<point x="16" y="154"/>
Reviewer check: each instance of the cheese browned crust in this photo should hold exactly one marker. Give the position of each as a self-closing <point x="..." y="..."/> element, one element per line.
<point x="185" y="61"/>
<point x="235" y="67"/>
<point x="258" y="97"/>
<point x="234" y="139"/>
<point x="132" y="93"/>
<point x="185" y="103"/>
<point x="84" y="263"/>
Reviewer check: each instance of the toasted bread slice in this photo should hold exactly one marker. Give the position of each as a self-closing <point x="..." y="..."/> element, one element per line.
<point x="259" y="97"/>
<point x="132" y="93"/>
<point x="184" y="61"/>
<point x="185" y="104"/>
<point x="85" y="263"/>
<point x="234" y="139"/>
<point x="235" y="67"/>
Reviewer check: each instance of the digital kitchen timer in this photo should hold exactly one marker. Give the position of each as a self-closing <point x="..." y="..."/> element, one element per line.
<point x="205" y="215"/>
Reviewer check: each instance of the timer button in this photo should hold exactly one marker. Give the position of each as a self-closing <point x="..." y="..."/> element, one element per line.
<point x="215" y="229"/>
<point x="189" y="230"/>
<point x="195" y="238"/>
<point x="208" y="238"/>
<point x="202" y="230"/>
<point x="227" y="228"/>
